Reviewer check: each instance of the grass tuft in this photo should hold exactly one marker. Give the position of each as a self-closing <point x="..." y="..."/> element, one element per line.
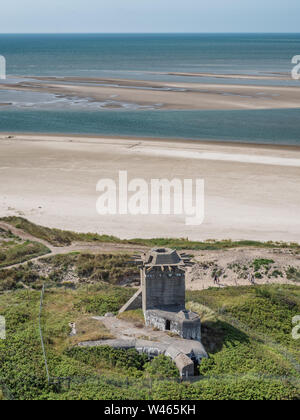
<point x="59" y="237"/>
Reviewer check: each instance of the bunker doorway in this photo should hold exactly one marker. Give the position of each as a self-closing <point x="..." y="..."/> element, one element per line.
<point x="168" y="325"/>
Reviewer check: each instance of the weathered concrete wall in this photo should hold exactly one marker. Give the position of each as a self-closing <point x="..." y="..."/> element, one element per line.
<point x="183" y="362"/>
<point x="185" y="365"/>
<point x="134" y="303"/>
<point x="188" y="329"/>
<point x="155" y="321"/>
<point x="191" y="331"/>
<point x="163" y="288"/>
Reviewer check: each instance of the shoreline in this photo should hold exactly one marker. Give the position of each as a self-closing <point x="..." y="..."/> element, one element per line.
<point x="102" y="137"/>
<point x="263" y="76"/>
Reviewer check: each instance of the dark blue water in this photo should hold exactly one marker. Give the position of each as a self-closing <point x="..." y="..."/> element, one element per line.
<point x="263" y="126"/>
<point x="108" y="54"/>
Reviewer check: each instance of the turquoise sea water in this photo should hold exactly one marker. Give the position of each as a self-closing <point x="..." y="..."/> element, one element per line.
<point x="269" y="126"/>
<point x="99" y="55"/>
<point x="149" y="57"/>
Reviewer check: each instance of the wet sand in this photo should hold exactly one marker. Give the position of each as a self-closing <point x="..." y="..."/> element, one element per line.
<point x="251" y="192"/>
<point x="167" y="95"/>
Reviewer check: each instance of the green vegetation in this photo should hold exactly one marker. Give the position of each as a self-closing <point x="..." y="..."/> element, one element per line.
<point x="105" y="372"/>
<point x="55" y="237"/>
<point x="265" y="311"/>
<point x="261" y="268"/>
<point x="70" y="269"/>
<point x="108" y="300"/>
<point x="128" y="360"/>
<point x="14" y="251"/>
<point x="293" y="274"/>
<point x="59" y="237"/>
<point x="18" y="253"/>
<point x="111" y="268"/>
<point x="136" y="316"/>
<point x="246" y="330"/>
<point x="258" y="264"/>
<point x="88" y="329"/>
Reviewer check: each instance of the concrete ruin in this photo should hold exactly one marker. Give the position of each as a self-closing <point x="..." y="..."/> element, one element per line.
<point x="162" y="298"/>
<point x="162" y="293"/>
<point x="186" y="354"/>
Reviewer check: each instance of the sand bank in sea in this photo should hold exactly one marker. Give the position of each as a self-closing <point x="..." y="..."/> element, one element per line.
<point x="167" y="95"/>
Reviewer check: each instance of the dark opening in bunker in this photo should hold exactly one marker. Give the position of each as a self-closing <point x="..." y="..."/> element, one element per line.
<point x="168" y="325"/>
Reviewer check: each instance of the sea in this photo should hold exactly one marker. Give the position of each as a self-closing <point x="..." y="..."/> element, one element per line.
<point x="153" y="57"/>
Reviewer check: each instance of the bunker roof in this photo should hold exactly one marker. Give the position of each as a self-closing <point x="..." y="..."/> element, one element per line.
<point x="163" y="256"/>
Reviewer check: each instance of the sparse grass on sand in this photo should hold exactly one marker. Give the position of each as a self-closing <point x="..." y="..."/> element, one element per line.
<point x="14" y="251"/>
<point x="59" y="237"/>
<point x="89" y="329"/>
<point x="110" y="268"/>
<point x="70" y="270"/>
<point x="135" y="316"/>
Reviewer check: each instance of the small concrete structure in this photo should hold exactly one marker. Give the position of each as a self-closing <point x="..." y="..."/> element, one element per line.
<point x="185" y="353"/>
<point x="184" y="323"/>
<point x="185" y="365"/>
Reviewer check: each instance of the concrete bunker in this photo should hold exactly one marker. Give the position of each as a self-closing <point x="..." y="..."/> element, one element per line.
<point x="162" y="293"/>
<point x="162" y="298"/>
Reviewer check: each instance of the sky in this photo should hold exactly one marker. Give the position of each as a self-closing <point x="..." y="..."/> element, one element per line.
<point x="98" y="16"/>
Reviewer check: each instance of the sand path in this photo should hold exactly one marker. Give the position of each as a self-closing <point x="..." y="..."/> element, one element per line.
<point x="103" y="247"/>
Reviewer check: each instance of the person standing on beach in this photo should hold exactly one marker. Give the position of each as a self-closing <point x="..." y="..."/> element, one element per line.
<point x="251" y="278"/>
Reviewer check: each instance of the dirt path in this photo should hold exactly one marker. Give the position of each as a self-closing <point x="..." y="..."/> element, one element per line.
<point x="234" y="265"/>
<point x="100" y="247"/>
<point x="23" y="235"/>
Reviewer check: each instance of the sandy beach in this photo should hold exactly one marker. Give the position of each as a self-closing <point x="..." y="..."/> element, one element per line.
<point x="166" y="95"/>
<point x="251" y="192"/>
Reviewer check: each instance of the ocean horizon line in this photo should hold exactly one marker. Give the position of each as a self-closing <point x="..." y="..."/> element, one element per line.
<point x="150" y="33"/>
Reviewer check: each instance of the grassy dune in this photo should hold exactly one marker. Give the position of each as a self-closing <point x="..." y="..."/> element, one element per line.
<point x="59" y="237"/>
<point x="14" y="251"/>
<point x="70" y="270"/>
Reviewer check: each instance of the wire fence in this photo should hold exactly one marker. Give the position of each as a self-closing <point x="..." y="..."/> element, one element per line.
<point x="41" y="333"/>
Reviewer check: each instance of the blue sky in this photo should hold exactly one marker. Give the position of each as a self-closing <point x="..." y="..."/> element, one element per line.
<point x="149" y="16"/>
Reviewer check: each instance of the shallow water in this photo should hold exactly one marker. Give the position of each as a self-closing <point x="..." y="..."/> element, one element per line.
<point x="148" y="57"/>
<point x="263" y="126"/>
